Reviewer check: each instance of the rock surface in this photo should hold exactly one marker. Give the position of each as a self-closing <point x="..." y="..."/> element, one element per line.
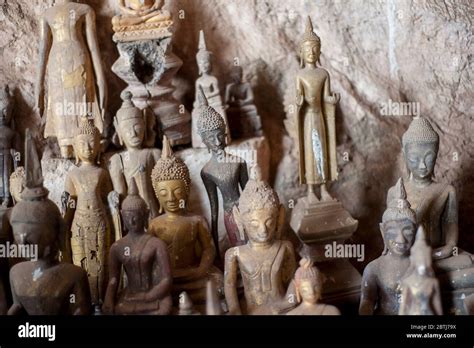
<point x="376" y="52"/>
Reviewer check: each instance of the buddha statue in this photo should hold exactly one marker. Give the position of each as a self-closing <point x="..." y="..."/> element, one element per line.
<point x="209" y="85"/>
<point x="17" y="184"/>
<point x="308" y="286"/>
<point x="266" y="264"/>
<point x="69" y="51"/>
<point x="145" y="261"/>
<point x="8" y="143"/>
<point x="139" y="12"/>
<point x="43" y="286"/>
<point x="316" y="128"/>
<point x="436" y="208"/>
<point x="186" y="306"/>
<point x="244" y="121"/>
<point x="185" y="234"/>
<point x="88" y="185"/>
<point x="420" y="289"/>
<point x="381" y="281"/>
<point x="224" y="171"/>
<point x="138" y="159"/>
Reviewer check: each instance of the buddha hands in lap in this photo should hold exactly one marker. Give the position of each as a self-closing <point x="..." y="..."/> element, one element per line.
<point x="186" y="235"/>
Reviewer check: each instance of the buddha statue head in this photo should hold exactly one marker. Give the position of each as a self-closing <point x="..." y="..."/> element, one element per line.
<point x="132" y="125"/>
<point x="36" y="220"/>
<point x="236" y="74"/>
<point x="6" y="106"/>
<point x="398" y="225"/>
<point x="310" y="48"/>
<point x="420" y="145"/>
<point x="171" y="181"/>
<point x="259" y="213"/>
<point x="211" y="125"/>
<point x="420" y="255"/>
<point x="134" y="210"/>
<point x="17" y="183"/>
<point x="203" y="57"/>
<point x="308" y="282"/>
<point x="87" y="141"/>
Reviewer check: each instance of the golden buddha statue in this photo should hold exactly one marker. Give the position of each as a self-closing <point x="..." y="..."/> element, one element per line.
<point x="44" y="286"/>
<point x="69" y="51"/>
<point x="421" y="294"/>
<point x="186" y="235"/>
<point x="436" y="208"/>
<point x="138" y="158"/>
<point x="316" y="128"/>
<point x="266" y="264"/>
<point x="88" y="186"/>
<point x="140" y="20"/>
<point x="381" y="281"/>
<point x="308" y="286"/>
<point x="145" y="261"/>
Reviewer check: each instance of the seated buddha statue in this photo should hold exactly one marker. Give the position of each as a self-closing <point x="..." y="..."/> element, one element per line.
<point x="145" y="261"/>
<point x="44" y="285"/>
<point x="136" y="12"/>
<point x="436" y="207"/>
<point x="186" y="235"/>
<point x="266" y="264"/>
<point x="381" y="281"/>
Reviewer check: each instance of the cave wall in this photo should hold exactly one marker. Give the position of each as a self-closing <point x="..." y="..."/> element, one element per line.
<point x="376" y="51"/>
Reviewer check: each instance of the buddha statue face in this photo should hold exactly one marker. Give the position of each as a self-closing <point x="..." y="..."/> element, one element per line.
<point x="215" y="140"/>
<point x="204" y="63"/>
<point x="134" y="221"/>
<point x="236" y="74"/>
<point x="399" y="236"/>
<point x="87" y="147"/>
<point x="172" y="195"/>
<point x="310" y="52"/>
<point x="132" y="132"/>
<point x="260" y="225"/>
<point x="309" y="291"/>
<point x="420" y="159"/>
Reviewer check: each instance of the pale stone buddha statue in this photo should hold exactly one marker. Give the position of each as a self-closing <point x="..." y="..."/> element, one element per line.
<point x="381" y="281"/>
<point x="308" y="285"/>
<point x="185" y="234"/>
<point x="420" y="289"/>
<point x="266" y="264"/>
<point x="88" y="186"/>
<point x="138" y="158"/>
<point x="44" y="286"/>
<point x="315" y="118"/>
<point x="436" y="206"/>
<point x="223" y="171"/>
<point x="139" y="12"/>
<point x="145" y="261"/>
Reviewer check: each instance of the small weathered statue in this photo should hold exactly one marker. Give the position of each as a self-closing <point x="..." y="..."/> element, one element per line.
<point x="17" y="184"/>
<point x="381" y="281"/>
<point x="140" y="15"/>
<point x="210" y="87"/>
<point x="138" y="159"/>
<point x="146" y="263"/>
<point x="266" y="264"/>
<point x="420" y="289"/>
<point x="316" y="127"/>
<point x="186" y="306"/>
<point x="8" y="143"/>
<point x="223" y="171"/>
<point x="186" y="235"/>
<point x="70" y="52"/>
<point x="244" y="120"/>
<point x="86" y="189"/>
<point x="308" y="285"/>
<point x="44" y="286"/>
<point x="436" y="208"/>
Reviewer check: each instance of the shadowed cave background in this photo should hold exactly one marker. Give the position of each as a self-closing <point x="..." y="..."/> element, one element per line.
<point x="375" y="51"/>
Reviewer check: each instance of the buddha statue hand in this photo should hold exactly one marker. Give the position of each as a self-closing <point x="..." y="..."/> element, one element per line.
<point x="332" y="99"/>
<point x="189" y="274"/>
<point x="443" y="252"/>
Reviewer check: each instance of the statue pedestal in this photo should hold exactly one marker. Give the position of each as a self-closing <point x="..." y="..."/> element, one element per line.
<point x="321" y="226"/>
<point x="148" y="67"/>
